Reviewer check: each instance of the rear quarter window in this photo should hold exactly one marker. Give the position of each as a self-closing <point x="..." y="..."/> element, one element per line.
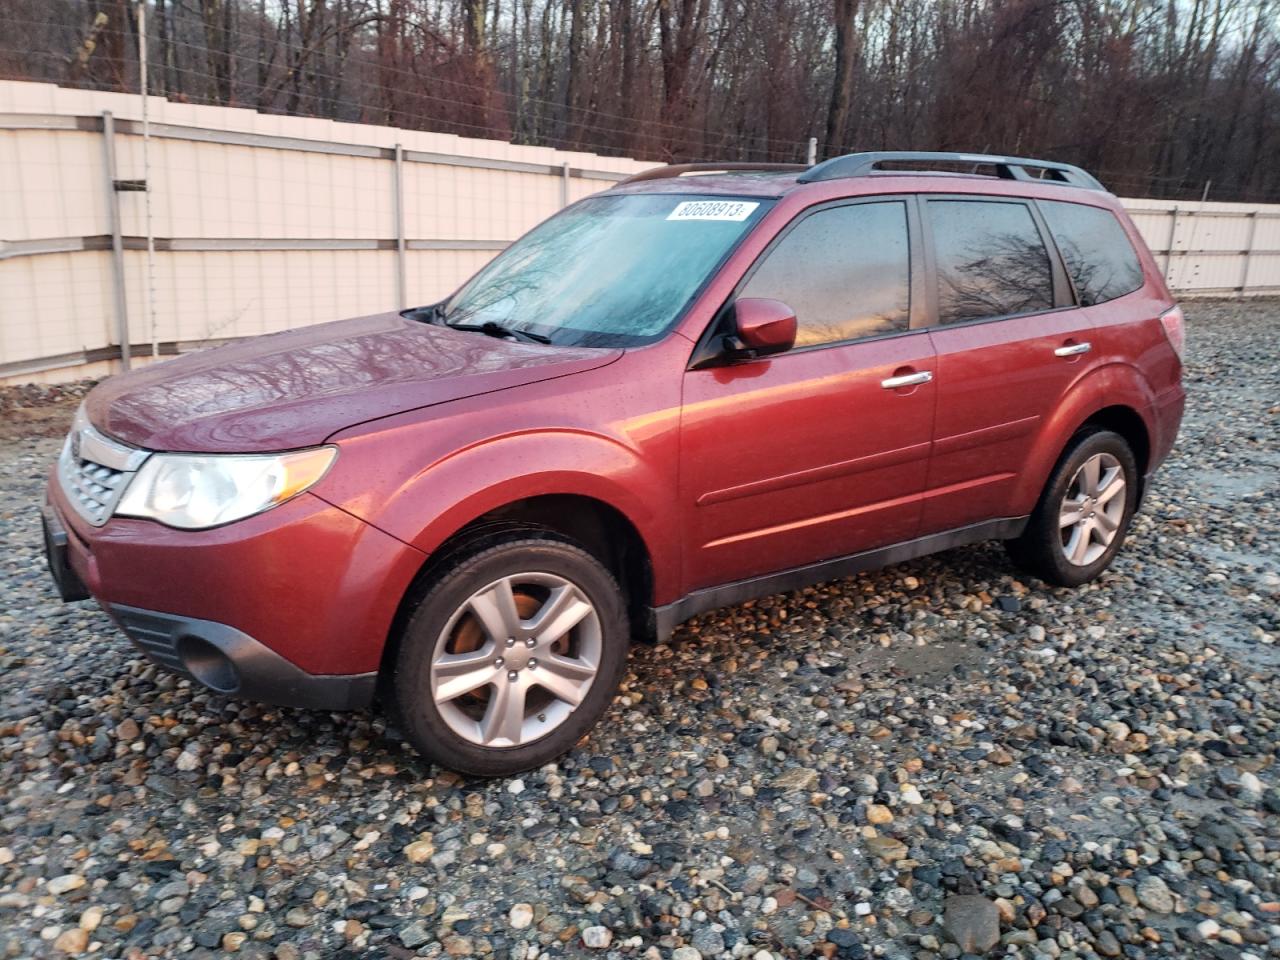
<point x="1098" y="255"/>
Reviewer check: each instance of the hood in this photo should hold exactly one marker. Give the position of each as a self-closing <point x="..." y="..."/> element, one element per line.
<point x="295" y="389"/>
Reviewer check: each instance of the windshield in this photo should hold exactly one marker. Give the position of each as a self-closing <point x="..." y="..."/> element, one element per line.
<point x="607" y="272"/>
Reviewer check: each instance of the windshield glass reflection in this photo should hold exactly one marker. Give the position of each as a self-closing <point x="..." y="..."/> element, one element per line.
<point x="609" y="271"/>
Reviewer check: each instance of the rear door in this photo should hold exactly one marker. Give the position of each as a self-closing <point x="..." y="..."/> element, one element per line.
<point x="807" y="455"/>
<point x="1009" y="343"/>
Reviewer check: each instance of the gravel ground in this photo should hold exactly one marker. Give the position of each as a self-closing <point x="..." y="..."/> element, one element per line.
<point x="932" y="759"/>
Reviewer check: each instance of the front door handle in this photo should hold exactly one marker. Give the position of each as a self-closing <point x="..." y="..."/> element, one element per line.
<point x="907" y="380"/>
<point x="1073" y="349"/>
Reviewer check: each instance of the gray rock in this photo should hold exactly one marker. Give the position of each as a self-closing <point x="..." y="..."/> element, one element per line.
<point x="972" y="922"/>
<point x="597" y="937"/>
<point x="1107" y="944"/>
<point x="174" y="888"/>
<point x="414" y="935"/>
<point x="708" y="942"/>
<point x="1154" y="894"/>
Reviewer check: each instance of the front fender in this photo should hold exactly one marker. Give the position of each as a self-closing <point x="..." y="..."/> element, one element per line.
<point x="426" y="507"/>
<point x="1114" y="384"/>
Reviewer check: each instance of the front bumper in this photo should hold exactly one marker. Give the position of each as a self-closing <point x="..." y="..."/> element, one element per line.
<point x="292" y="606"/>
<point x="57" y="554"/>
<point x="233" y="663"/>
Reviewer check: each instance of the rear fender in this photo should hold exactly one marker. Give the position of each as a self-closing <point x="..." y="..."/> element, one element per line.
<point x="1111" y="385"/>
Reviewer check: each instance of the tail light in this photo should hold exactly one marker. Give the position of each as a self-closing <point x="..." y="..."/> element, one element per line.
<point x="1174" y="329"/>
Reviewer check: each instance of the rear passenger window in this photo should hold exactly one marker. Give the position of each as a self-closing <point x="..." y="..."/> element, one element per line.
<point x="845" y="271"/>
<point x="991" y="260"/>
<point x="1099" y="257"/>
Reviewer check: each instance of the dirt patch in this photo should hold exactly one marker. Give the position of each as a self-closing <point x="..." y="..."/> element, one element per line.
<point x="929" y="661"/>
<point x="25" y="423"/>
<point x="39" y="410"/>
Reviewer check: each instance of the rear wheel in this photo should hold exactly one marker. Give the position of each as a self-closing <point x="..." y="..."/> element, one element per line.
<point x="511" y="656"/>
<point x="1083" y="515"/>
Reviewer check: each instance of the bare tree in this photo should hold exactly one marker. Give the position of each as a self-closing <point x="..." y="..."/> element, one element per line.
<point x="1157" y="96"/>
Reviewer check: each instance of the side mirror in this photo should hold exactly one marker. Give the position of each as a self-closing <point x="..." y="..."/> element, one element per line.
<point x="761" y="327"/>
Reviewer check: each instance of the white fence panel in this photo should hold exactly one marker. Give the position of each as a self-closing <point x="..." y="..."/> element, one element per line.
<point x="260" y="223"/>
<point x="1212" y="249"/>
<point x="263" y="223"/>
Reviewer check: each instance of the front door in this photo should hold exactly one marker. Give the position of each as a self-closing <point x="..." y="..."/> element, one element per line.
<point x="815" y="453"/>
<point x="1009" y="345"/>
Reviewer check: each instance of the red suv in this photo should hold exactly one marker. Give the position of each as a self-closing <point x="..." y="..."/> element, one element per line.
<point x="694" y="388"/>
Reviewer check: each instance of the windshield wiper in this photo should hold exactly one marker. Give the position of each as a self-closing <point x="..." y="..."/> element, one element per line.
<point x="491" y="328"/>
<point x="435" y="313"/>
<point x="430" y="314"/>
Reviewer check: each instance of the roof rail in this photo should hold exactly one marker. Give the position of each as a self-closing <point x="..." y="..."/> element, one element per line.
<point x="1009" y="168"/>
<point x="676" y="169"/>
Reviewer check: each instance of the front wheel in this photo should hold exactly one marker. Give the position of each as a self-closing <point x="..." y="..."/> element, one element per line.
<point x="511" y="656"/>
<point x="1082" y="517"/>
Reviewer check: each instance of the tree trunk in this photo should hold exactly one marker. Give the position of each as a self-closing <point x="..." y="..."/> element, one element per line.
<point x="216" y="15"/>
<point x="842" y="87"/>
<point x="682" y="28"/>
<point x="573" y="85"/>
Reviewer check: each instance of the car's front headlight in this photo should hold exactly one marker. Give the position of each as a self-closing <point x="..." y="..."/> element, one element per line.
<point x="194" y="491"/>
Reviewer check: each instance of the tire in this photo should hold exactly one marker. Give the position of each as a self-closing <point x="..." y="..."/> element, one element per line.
<point x="1068" y="556"/>
<point x="479" y="669"/>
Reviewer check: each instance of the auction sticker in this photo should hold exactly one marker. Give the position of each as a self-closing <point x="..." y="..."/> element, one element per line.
<point x="713" y="210"/>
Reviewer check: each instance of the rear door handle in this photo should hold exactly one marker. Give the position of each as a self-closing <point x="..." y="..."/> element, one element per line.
<point x="907" y="380"/>
<point x="1073" y="350"/>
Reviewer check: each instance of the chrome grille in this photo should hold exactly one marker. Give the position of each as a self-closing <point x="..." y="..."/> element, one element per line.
<point x="94" y="470"/>
<point x="92" y="488"/>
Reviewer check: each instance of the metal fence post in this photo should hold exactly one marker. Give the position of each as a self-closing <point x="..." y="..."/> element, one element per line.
<point x="1168" y="247"/>
<point x="564" y="184"/>
<point x="1248" y="252"/>
<point x="402" y="294"/>
<point x="811" y="155"/>
<point x="117" y="243"/>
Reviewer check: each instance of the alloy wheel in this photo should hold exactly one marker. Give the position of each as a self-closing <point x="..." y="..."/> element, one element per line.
<point x="516" y="659"/>
<point x="1092" y="509"/>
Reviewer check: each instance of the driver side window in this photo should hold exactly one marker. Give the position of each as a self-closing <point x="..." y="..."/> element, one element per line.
<point x="845" y="271"/>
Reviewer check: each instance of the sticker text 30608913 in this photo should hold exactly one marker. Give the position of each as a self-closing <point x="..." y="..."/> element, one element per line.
<point x="713" y="210"/>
